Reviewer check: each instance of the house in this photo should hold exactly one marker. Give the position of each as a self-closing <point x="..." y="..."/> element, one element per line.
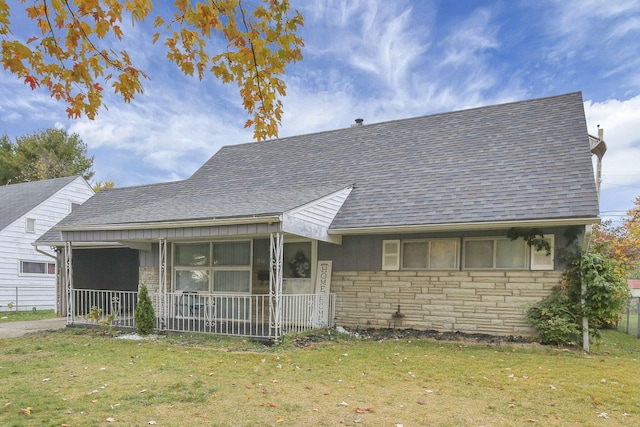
<point x="27" y="210"/>
<point x="398" y="224"/>
<point x="634" y="287"/>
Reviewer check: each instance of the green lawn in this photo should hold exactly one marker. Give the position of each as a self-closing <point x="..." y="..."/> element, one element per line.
<point x="629" y="324"/>
<point x="17" y="316"/>
<point x="77" y="377"/>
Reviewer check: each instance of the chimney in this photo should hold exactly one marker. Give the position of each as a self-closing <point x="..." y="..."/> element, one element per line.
<point x="358" y="123"/>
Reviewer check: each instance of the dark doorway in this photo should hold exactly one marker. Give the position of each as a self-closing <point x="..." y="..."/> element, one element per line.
<point x="106" y="269"/>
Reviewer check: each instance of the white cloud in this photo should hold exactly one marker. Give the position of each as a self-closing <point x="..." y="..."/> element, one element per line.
<point x="620" y="173"/>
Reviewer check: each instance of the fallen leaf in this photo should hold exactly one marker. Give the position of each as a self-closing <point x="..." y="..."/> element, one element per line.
<point x="273" y="405"/>
<point x="604" y="415"/>
<point x="93" y="392"/>
<point x="279" y="420"/>
<point x="26" y="411"/>
<point x="110" y="419"/>
<point x="45" y="380"/>
<point x="344" y="404"/>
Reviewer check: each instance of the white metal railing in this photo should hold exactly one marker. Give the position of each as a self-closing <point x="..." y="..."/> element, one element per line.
<point x="226" y="314"/>
<point x="91" y="306"/>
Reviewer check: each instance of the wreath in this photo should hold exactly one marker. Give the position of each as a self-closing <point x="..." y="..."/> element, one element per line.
<point x="300" y="265"/>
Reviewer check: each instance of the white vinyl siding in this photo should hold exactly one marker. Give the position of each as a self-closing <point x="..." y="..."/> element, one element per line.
<point x="16" y="246"/>
<point x="540" y="260"/>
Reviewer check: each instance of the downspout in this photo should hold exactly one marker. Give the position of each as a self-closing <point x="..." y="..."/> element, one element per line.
<point x="598" y="147"/>
<point x="44" y="253"/>
<point x="588" y="231"/>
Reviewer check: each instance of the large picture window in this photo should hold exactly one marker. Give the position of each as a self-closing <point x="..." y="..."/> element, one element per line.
<point x="495" y="253"/>
<point x="222" y="267"/>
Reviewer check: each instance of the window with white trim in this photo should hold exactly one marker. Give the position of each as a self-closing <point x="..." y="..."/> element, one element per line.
<point x="30" y="225"/>
<point x="494" y="253"/>
<point x="430" y="254"/>
<point x="223" y="267"/>
<point x="37" y="267"/>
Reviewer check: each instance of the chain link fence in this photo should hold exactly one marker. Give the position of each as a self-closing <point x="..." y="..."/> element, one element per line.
<point x="630" y="321"/>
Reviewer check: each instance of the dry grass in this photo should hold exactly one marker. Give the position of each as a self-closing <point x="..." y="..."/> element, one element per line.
<point x="79" y="378"/>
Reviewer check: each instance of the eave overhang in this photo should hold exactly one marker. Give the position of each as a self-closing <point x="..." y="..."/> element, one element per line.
<point x="211" y="222"/>
<point x="467" y="226"/>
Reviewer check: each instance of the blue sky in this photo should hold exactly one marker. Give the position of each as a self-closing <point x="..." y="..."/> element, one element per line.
<point x="379" y="60"/>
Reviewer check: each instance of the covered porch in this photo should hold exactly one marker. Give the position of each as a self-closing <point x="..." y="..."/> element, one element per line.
<point x="255" y="286"/>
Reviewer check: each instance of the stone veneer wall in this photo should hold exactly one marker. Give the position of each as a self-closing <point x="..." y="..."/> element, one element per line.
<point x="489" y="302"/>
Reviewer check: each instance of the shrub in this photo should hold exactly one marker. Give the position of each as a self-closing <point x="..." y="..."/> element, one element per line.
<point x="558" y="318"/>
<point x="555" y="319"/>
<point x="144" y="315"/>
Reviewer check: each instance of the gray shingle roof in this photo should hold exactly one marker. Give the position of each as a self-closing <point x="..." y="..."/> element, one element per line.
<point x="18" y="199"/>
<point x="526" y="160"/>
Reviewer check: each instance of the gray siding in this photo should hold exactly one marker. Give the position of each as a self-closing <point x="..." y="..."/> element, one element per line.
<point x="364" y="253"/>
<point x="170" y="233"/>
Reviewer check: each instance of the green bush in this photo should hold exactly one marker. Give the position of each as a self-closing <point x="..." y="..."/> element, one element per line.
<point x="145" y="316"/>
<point x="555" y="319"/>
<point x="558" y="318"/>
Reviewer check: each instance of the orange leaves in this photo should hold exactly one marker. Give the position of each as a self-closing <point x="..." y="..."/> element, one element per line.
<point x="70" y="58"/>
<point x="31" y="81"/>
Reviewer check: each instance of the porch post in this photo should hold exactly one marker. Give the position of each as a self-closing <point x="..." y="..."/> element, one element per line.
<point x="162" y="285"/>
<point x="68" y="279"/>
<point x="275" y="286"/>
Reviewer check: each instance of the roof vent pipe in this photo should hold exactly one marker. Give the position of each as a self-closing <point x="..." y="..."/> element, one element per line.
<point x="358" y="123"/>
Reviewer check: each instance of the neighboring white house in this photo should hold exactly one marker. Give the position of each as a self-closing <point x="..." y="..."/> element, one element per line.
<point x="28" y="210"/>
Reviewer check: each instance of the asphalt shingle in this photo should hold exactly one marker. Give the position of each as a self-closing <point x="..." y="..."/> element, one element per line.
<point x="522" y="160"/>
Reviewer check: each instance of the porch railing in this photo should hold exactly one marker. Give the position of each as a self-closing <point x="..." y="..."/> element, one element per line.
<point x="226" y="314"/>
<point x="90" y="306"/>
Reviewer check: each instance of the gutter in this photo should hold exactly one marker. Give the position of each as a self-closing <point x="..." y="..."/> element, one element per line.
<point x="465" y="226"/>
<point x="43" y="252"/>
<point x="174" y="224"/>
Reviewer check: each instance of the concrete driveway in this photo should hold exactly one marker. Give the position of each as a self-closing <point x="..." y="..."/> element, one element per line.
<point x="18" y="329"/>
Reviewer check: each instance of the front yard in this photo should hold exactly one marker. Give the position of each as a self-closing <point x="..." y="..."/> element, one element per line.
<point x="77" y="377"/>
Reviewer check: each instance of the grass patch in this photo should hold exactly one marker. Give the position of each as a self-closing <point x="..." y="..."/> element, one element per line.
<point x="19" y="316"/>
<point x="629" y="324"/>
<point x="83" y="378"/>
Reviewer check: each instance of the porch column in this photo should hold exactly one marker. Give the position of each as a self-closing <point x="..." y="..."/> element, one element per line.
<point x="275" y="285"/>
<point x="68" y="279"/>
<point x="162" y="283"/>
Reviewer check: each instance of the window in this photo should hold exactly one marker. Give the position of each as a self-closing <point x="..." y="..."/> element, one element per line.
<point x="223" y="267"/>
<point x="495" y="253"/>
<point x="34" y="267"/>
<point x="435" y="254"/>
<point x="30" y="225"/>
